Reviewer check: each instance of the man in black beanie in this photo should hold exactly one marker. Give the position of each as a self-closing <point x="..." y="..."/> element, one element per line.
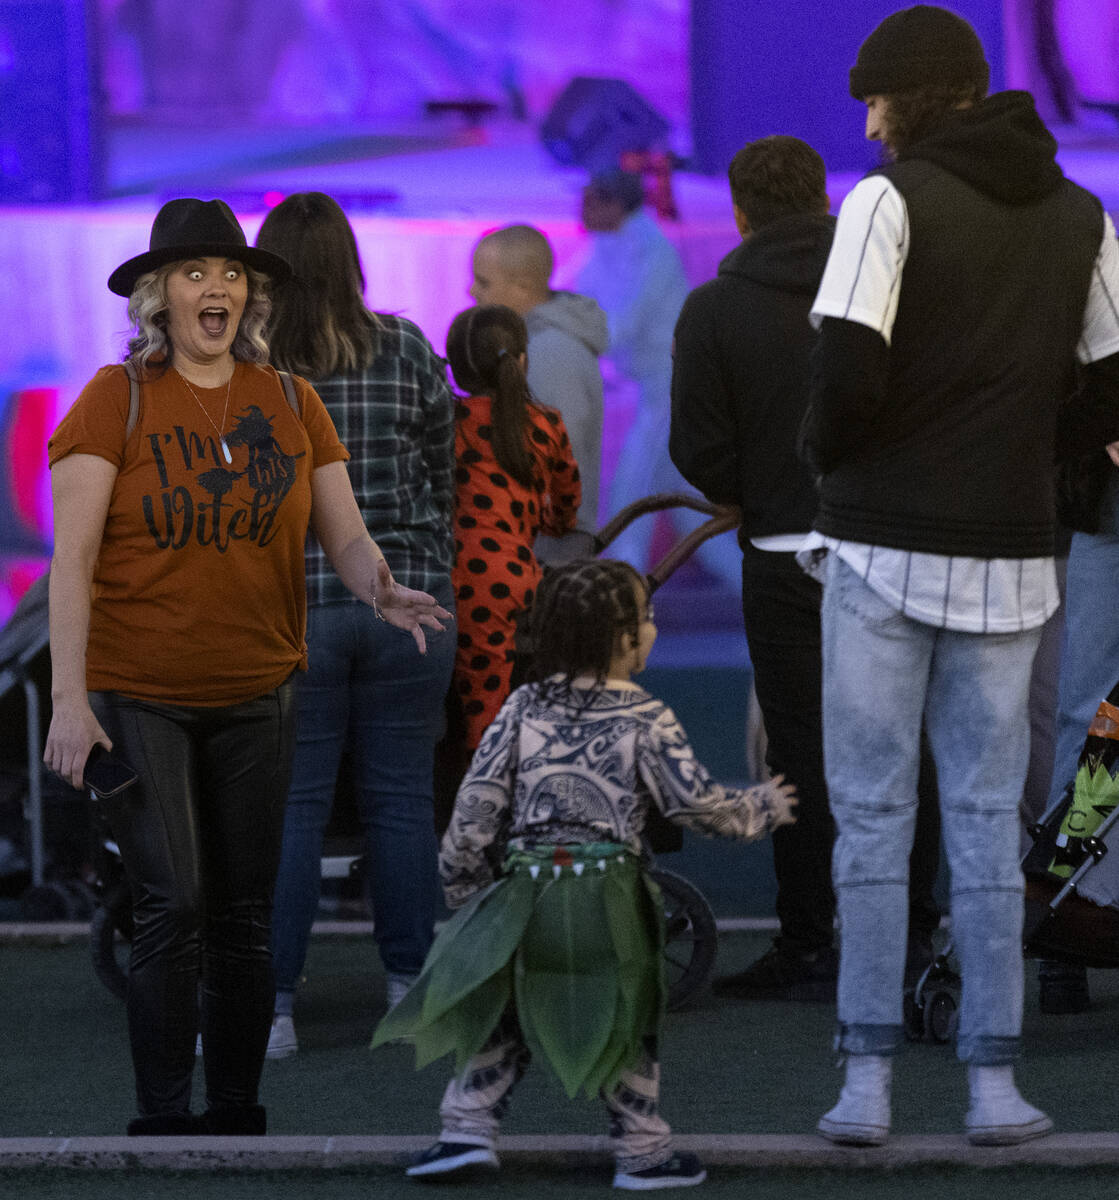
<point x="970" y="290"/>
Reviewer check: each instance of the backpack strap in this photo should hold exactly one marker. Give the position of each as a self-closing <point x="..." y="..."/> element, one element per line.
<point x="289" y="390"/>
<point x="133" y="398"/>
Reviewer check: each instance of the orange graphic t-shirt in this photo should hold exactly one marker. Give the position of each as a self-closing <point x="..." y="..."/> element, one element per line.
<point x="198" y="594"/>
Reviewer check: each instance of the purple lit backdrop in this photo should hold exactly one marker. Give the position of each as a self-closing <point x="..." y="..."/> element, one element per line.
<point x="362" y="60"/>
<point x="261" y="95"/>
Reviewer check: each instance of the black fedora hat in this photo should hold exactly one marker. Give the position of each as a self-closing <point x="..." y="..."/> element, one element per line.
<point x="190" y="228"/>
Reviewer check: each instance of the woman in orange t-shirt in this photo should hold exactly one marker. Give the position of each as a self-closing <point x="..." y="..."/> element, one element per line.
<point x="176" y="620"/>
<point x="515" y="476"/>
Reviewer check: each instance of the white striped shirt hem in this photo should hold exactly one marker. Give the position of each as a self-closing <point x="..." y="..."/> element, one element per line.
<point x="968" y="595"/>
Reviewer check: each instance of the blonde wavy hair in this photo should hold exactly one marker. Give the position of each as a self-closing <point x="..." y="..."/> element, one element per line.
<point x="147" y="311"/>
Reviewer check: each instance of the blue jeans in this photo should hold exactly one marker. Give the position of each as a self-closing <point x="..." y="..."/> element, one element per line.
<point x="1090" y="665"/>
<point x="369" y="690"/>
<point x="882" y="673"/>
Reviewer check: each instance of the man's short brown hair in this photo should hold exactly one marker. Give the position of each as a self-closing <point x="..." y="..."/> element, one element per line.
<point x="777" y="177"/>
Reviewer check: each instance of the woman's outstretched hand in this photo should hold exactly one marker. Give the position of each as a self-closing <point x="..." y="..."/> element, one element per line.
<point x="406" y="608"/>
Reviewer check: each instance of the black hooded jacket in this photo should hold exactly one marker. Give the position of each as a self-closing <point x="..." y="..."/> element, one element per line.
<point x="944" y="442"/>
<point x="740" y="376"/>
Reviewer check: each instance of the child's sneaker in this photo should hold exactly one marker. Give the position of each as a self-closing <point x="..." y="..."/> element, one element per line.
<point x="282" y="1041"/>
<point x="444" y="1158"/>
<point x="681" y="1170"/>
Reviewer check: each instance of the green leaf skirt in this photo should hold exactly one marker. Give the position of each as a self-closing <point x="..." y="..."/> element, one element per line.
<point x="570" y="937"/>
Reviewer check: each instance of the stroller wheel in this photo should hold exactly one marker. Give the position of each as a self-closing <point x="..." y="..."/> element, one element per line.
<point x="113" y="913"/>
<point x="691" y="938"/>
<point x="941" y="1015"/>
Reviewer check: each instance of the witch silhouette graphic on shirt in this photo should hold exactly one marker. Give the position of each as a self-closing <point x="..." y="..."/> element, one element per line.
<point x="270" y="472"/>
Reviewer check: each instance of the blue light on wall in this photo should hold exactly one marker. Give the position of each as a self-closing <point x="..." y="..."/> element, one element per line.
<point x="760" y="68"/>
<point x="50" y="118"/>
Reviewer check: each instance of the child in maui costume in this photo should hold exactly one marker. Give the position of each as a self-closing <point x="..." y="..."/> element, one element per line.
<point x="562" y="948"/>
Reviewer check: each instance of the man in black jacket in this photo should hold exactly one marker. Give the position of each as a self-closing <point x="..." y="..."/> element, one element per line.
<point x="740" y="384"/>
<point x="970" y="285"/>
<point x="739" y="390"/>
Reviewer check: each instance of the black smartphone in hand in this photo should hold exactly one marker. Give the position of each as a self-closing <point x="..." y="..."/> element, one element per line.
<point x="105" y="775"/>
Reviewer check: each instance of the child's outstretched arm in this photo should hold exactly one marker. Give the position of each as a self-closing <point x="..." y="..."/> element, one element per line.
<point x="686" y="794"/>
<point x="482" y="808"/>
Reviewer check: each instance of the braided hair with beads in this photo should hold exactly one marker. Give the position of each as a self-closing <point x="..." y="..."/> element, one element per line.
<point x="578" y="614"/>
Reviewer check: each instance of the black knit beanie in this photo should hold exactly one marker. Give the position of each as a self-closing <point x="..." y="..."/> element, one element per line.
<point x="916" y="47"/>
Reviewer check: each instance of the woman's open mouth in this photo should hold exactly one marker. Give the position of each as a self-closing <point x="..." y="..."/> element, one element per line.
<point x="214" y="321"/>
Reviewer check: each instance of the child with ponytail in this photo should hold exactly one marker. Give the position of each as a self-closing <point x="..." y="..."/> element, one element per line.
<point x="515" y="476"/>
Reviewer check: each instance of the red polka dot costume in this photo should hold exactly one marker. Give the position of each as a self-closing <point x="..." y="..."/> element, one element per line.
<point x="496" y="523"/>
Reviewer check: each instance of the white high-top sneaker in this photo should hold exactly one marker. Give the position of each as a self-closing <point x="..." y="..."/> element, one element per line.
<point x="998" y="1115"/>
<point x="862" y="1116"/>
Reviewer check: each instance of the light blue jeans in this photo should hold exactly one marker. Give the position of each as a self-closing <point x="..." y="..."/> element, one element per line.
<point x="369" y="689"/>
<point x="882" y="674"/>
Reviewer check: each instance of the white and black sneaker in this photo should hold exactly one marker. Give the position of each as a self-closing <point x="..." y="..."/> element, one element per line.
<point x="444" y="1158"/>
<point x="681" y="1170"/>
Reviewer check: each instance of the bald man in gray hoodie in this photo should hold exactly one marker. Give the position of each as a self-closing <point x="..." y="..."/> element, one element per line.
<point x="566" y="334"/>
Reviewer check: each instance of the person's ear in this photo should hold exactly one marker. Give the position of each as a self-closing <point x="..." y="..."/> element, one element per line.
<point x="742" y="222"/>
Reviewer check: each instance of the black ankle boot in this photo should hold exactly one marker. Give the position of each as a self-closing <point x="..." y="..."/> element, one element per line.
<point x="170" y="1124"/>
<point x="248" y="1120"/>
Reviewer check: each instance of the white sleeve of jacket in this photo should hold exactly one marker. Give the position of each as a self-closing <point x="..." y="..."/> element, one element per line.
<point x="1100" y="335"/>
<point x="862" y="278"/>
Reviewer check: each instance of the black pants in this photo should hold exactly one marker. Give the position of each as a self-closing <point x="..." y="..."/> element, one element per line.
<point x="781" y="613"/>
<point x="199" y="837"/>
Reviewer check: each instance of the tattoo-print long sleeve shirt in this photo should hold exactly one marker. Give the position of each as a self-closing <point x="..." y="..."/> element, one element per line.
<point x="571" y="766"/>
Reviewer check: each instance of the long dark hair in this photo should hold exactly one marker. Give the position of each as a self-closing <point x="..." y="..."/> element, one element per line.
<point x="912" y="115"/>
<point x="320" y="325"/>
<point x="484" y="348"/>
<point x="578" y="613"/>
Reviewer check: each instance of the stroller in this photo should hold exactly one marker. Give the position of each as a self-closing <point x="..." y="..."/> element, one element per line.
<point x="44" y="832"/>
<point x="691" y="935"/>
<point x="1072" y="886"/>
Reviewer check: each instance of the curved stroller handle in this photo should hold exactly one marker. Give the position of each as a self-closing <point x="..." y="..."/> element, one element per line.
<point x="721" y="518"/>
<point x="729" y="518"/>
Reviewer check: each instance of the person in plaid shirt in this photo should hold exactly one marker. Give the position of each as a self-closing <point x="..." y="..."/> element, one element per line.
<point x="367" y="694"/>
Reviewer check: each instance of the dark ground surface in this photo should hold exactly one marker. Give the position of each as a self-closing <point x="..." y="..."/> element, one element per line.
<point x="729" y="1067"/>
<point x="386" y="1183"/>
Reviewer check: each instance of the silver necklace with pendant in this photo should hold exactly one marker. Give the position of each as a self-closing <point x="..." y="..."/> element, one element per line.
<point x="224" y="413"/>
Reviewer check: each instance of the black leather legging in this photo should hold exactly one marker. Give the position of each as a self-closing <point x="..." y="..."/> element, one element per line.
<point x="199" y="836"/>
